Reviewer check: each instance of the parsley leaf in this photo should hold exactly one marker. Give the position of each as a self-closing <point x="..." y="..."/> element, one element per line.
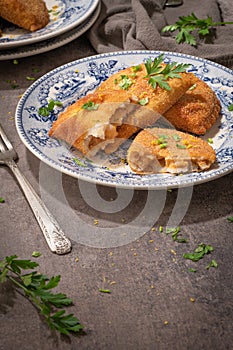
<point x="90" y="106"/>
<point x="213" y="263"/>
<point x="36" y="254"/>
<point x="159" y="74"/>
<point x="79" y="162"/>
<point x="199" y="252"/>
<point x="175" y="231"/>
<point x="46" y="110"/>
<point x="136" y="68"/>
<point x="125" y="82"/>
<point x="187" y="24"/>
<point x="105" y="291"/>
<point x="37" y="288"/>
<point x="143" y="101"/>
<point x="192" y="270"/>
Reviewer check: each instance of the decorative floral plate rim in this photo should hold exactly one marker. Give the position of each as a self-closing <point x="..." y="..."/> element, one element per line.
<point x="77" y="78"/>
<point x="52" y="43"/>
<point x="64" y="16"/>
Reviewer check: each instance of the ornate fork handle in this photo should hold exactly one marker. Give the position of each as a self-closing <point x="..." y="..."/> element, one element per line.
<point x="53" y="234"/>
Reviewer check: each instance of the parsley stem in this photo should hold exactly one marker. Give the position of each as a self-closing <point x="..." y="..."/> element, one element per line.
<point x="18" y="284"/>
<point x="28" y="293"/>
<point x="220" y="23"/>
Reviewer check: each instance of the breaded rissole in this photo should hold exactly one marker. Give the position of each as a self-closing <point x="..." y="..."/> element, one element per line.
<point x="158" y="150"/>
<point x="133" y="86"/>
<point x="105" y="127"/>
<point x="28" y="14"/>
<point x="124" y="91"/>
<point x="196" y="111"/>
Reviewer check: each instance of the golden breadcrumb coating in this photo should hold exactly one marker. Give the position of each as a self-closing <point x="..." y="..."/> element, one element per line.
<point x="28" y="14"/>
<point x="159" y="100"/>
<point x="159" y="150"/>
<point x="196" y="111"/>
<point x="126" y="118"/>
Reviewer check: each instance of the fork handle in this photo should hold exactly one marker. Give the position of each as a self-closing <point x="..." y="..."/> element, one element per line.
<point x="57" y="241"/>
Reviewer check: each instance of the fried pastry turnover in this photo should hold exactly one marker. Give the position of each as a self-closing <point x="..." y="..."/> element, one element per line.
<point x="119" y="113"/>
<point x="159" y="150"/>
<point x="196" y="111"/>
<point x="28" y="14"/>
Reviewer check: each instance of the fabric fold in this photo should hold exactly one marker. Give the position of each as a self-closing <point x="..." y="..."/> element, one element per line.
<point x="137" y="25"/>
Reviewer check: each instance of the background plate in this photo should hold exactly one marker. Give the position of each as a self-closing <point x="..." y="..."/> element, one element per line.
<point x="64" y="16"/>
<point x="75" y="79"/>
<point x="50" y="44"/>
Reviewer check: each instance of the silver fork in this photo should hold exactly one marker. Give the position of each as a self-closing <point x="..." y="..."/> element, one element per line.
<point x="57" y="241"/>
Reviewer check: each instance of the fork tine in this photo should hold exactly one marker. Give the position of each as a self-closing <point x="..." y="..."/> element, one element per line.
<point x="5" y="139"/>
<point x="2" y="147"/>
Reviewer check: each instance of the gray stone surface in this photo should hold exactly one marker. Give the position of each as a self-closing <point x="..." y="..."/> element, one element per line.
<point x="152" y="281"/>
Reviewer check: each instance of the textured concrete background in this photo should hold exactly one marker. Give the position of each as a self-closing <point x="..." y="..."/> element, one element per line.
<point x="149" y="306"/>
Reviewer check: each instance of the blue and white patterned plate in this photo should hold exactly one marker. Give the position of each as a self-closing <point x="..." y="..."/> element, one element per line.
<point x="64" y="16"/>
<point x="75" y="79"/>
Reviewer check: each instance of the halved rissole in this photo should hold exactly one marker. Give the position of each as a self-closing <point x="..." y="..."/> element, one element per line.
<point x="159" y="150"/>
<point x="28" y="14"/>
<point x="102" y="128"/>
<point x="123" y="117"/>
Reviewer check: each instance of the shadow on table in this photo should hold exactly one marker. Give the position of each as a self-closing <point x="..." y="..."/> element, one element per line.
<point x="209" y="201"/>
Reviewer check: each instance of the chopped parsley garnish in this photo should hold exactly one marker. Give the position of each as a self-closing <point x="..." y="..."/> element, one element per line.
<point x="210" y="140"/>
<point x="30" y="78"/>
<point x="13" y="83"/>
<point x="90" y="106"/>
<point x="177" y="138"/>
<point x="199" y="252"/>
<point x="36" y="254"/>
<point x="213" y="263"/>
<point x="77" y="161"/>
<point x="43" y="111"/>
<point x="105" y="291"/>
<point x="2" y="200"/>
<point x="125" y="82"/>
<point x="46" y="110"/>
<point x="163" y="145"/>
<point x="143" y="101"/>
<point x="163" y="137"/>
<point x="159" y="74"/>
<point x="230" y="107"/>
<point x="137" y="68"/>
<point x="161" y="140"/>
<point x="180" y="146"/>
<point x="175" y="231"/>
<point x="230" y="218"/>
<point x="192" y="269"/>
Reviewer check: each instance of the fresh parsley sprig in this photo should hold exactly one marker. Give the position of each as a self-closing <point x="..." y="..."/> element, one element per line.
<point x="187" y="24"/>
<point x="37" y="288"/>
<point x="158" y="74"/>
